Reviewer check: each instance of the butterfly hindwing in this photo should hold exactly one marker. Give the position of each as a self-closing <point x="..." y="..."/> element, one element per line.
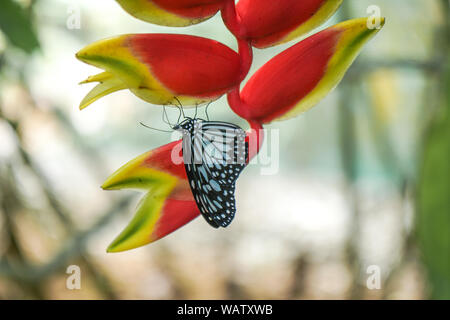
<point x="214" y="154"/>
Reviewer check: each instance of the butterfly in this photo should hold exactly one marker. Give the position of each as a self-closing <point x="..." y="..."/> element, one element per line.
<point x="214" y="155"/>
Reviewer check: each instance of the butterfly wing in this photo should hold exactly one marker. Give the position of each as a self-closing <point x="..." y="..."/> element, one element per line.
<point x="217" y="155"/>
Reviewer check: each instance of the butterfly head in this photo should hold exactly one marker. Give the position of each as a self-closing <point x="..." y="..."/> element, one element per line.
<point x="187" y="124"/>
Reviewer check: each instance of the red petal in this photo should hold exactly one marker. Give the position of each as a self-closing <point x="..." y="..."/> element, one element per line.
<point x="175" y="214"/>
<point x="267" y="22"/>
<point x="161" y="158"/>
<point x="298" y="78"/>
<point x="190" y="8"/>
<point x="188" y="65"/>
<point x="297" y="70"/>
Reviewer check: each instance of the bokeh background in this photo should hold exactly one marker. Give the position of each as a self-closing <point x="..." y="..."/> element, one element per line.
<point x="363" y="179"/>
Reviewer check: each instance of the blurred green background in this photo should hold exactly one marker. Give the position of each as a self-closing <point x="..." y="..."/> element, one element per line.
<point x="363" y="179"/>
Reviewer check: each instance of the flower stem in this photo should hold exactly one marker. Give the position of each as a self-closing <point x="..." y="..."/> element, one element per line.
<point x="255" y="138"/>
<point x="236" y="104"/>
<point x="246" y="56"/>
<point x="232" y="20"/>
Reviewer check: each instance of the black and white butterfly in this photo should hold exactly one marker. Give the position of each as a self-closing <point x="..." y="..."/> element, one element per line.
<point x="214" y="154"/>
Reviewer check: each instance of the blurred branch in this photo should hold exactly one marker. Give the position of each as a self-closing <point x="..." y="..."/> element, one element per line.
<point x="384" y="147"/>
<point x="25" y="271"/>
<point x="75" y="247"/>
<point x="348" y="154"/>
<point x="363" y="66"/>
<point x="10" y="204"/>
<point x="433" y="202"/>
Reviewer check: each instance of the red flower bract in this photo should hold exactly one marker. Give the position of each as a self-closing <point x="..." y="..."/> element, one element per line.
<point x="190" y="8"/>
<point x="188" y="65"/>
<point x="299" y="77"/>
<point x="163" y="68"/>
<point x="288" y="77"/>
<point x="267" y="23"/>
<point x="174" y="13"/>
<point x="175" y="214"/>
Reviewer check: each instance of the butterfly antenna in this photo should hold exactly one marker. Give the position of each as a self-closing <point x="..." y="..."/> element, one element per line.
<point x="196" y="107"/>
<point x="167" y="116"/>
<point x="144" y="125"/>
<point x="163" y="118"/>
<point x="206" y="110"/>
<point x="179" y="115"/>
<point x="181" y="106"/>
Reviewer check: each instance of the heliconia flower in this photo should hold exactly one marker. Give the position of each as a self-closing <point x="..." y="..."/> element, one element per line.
<point x="172" y="13"/>
<point x="168" y="203"/>
<point x="268" y="23"/>
<point x="299" y="77"/>
<point x="159" y="67"/>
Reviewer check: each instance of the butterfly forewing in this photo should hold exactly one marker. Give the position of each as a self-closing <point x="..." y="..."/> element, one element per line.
<point x="214" y="155"/>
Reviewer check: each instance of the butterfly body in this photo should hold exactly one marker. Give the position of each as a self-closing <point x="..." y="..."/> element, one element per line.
<point x="214" y="155"/>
